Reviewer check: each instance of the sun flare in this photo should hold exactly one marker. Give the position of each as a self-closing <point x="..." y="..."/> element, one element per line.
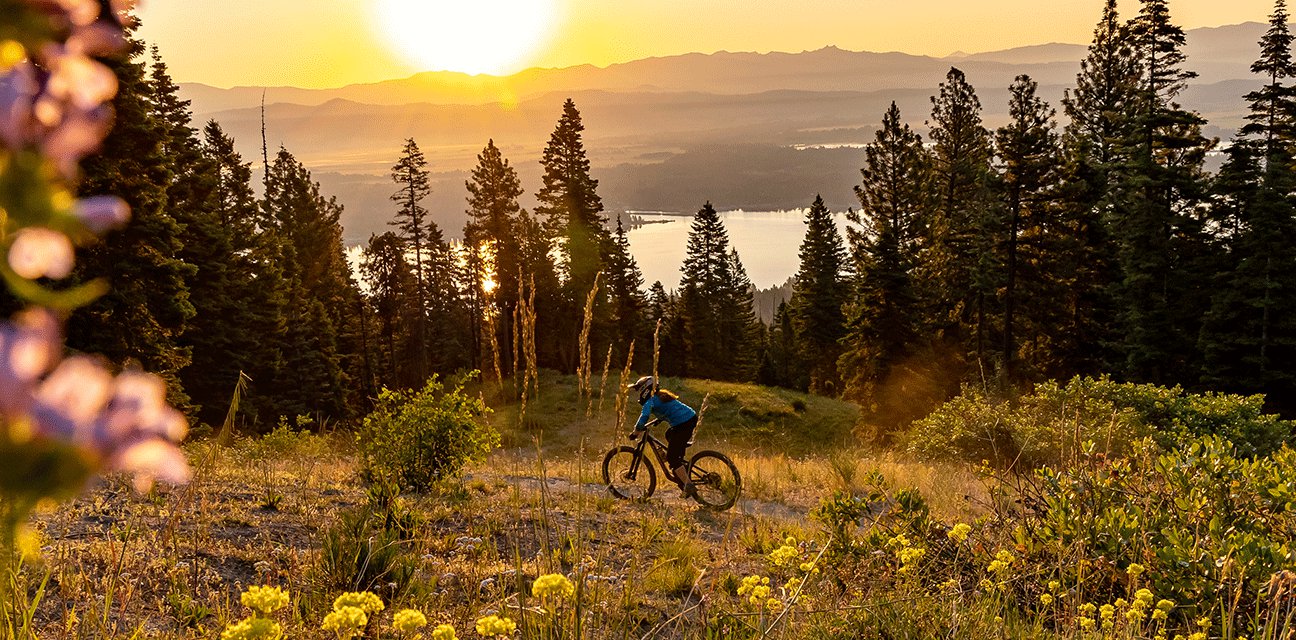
<point x="477" y="36"/>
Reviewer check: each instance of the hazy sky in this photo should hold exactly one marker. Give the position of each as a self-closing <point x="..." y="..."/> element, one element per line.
<point x="324" y="43"/>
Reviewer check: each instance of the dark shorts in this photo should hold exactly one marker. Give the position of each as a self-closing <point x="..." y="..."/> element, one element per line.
<point x="678" y="438"/>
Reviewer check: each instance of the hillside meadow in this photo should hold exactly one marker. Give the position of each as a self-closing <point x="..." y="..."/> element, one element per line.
<point x="826" y="541"/>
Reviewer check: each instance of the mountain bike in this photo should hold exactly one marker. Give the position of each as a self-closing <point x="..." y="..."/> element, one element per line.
<point x="630" y="475"/>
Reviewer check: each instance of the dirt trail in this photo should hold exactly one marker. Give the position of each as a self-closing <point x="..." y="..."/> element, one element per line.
<point x="670" y="495"/>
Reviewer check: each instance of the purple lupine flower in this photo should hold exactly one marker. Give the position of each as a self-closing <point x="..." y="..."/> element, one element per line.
<point x="78" y="135"/>
<point x="29" y="346"/>
<point x="122" y="422"/>
<point x="18" y="88"/>
<point x="38" y="252"/>
<point x="75" y="79"/>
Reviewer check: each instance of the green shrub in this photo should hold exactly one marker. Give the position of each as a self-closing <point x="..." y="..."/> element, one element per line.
<point x="414" y="439"/>
<point x="1056" y="423"/>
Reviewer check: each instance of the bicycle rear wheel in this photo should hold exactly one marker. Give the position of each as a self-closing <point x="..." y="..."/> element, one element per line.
<point x="628" y="474"/>
<point x="715" y="480"/>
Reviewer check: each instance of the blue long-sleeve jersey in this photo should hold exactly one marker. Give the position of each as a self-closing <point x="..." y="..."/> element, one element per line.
<point x="672" y="411"/>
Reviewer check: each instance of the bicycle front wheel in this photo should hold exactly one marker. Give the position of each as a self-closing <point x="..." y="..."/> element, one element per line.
<point x="628" y="474"/>
<point x="715" y="480"/>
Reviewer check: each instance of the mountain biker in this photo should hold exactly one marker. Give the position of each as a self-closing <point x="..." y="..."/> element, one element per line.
<point x="681" y="417"/>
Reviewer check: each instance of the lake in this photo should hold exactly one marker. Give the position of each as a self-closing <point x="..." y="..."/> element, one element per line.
<point x="767" y="242"/>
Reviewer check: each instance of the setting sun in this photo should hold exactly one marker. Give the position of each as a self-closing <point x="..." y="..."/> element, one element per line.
<point x="484" y="36"/>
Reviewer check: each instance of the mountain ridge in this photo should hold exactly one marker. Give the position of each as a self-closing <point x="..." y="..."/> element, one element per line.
<point x="759" y="131"/>
<point x="681" y="71"/>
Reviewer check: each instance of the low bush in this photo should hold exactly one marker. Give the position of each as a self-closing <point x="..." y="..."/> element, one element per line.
<point x="1194" y="540"/>
<point x="414" y="439"/>
<point x="1057" y="423"/>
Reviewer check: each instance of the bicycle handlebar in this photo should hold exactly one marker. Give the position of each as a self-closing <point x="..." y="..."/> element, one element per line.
<point x="634" y="435"/>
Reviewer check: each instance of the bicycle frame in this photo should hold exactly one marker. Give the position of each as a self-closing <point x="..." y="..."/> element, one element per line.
<point x="659" y="452"/>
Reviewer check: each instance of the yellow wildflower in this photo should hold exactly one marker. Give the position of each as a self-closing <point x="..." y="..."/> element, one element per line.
<point x="1054" y="586"/>
<point x="1088" y="609"/>
<point x="1086" y="624"/>
<point x="1204" y="622"/>
<point x="1197" y="636"/>
<point x="443" y="632"/>
<point x="1046" y="599"/>
<point x="1165" y="605"/>
<point x="750" y="583"/>
<point x="910" y="555"/>
<point x="960" y="532"/>
<point x="363" y="600"/>
<point x="346" y="622"/>
<point x="409" y="621"/>
<point x="1134" y="569"/>
<point x="809" y="567"/>
<point x="784" y="556"/>
<point x="495" y="626"/>
<point x="1135" y="615"/>
<point x="773" y="603"/>
<point x="553" y="584"/>
<point x="1158" y="615"/>
<point x="264" y="600"/>
<point x="1144" y="597"/>
<point x="253" y="629"/>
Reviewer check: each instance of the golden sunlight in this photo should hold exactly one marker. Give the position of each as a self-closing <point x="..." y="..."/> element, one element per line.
<point x="479" y="36"/>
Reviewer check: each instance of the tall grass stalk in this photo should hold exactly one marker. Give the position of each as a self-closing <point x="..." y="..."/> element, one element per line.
<point x="621" y="400"/>
<point x="587" y="323"/>
<point x="607" y="365"/>
<point x="656" y="350"/>
<point x="489" y="311"/>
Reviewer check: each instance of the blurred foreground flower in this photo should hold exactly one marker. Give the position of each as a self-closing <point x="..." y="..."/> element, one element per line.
<point x="64" y="420"/>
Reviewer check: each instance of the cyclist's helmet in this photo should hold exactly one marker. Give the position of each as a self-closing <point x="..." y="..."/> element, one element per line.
<point x="646" y="386"/>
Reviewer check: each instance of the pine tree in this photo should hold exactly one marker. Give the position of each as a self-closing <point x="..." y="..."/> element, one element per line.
<point x="140" y="320"/>
<point x="1028" y="152"/>
<point x="1098" y="108"/>
<point x="493" y="240"/>
<point x="959" y="274"/>
<point x="664" y="308"/>
<point x="716" y="327"/>
<point x="883" y="317"/>
<point x="781" y="365"/>
<point x="450" y="344"/>
<point x="1100" y="116"/>
<point x="819" y="293"/>
<point x="625" y="288"/>
<point x="1249" y="336"/>
<point x="411" y="173"/>
<point x="389" y="279"/>
<point x="569" y="203"/>
<point x="1162" y="252"/>
<point x="739" y="328"/>
<point x="319" y="293"/>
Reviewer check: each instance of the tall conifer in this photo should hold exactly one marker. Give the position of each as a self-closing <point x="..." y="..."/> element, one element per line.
<point x="819" y="292"/>
<point x="1028" y="153"/>
<point x="883" y="317"/>
<point x="411" y="173"/>
<point x="959" y="273"/>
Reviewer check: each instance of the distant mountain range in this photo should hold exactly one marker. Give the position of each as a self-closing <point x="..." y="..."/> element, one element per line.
<point x="744" y="130"/>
